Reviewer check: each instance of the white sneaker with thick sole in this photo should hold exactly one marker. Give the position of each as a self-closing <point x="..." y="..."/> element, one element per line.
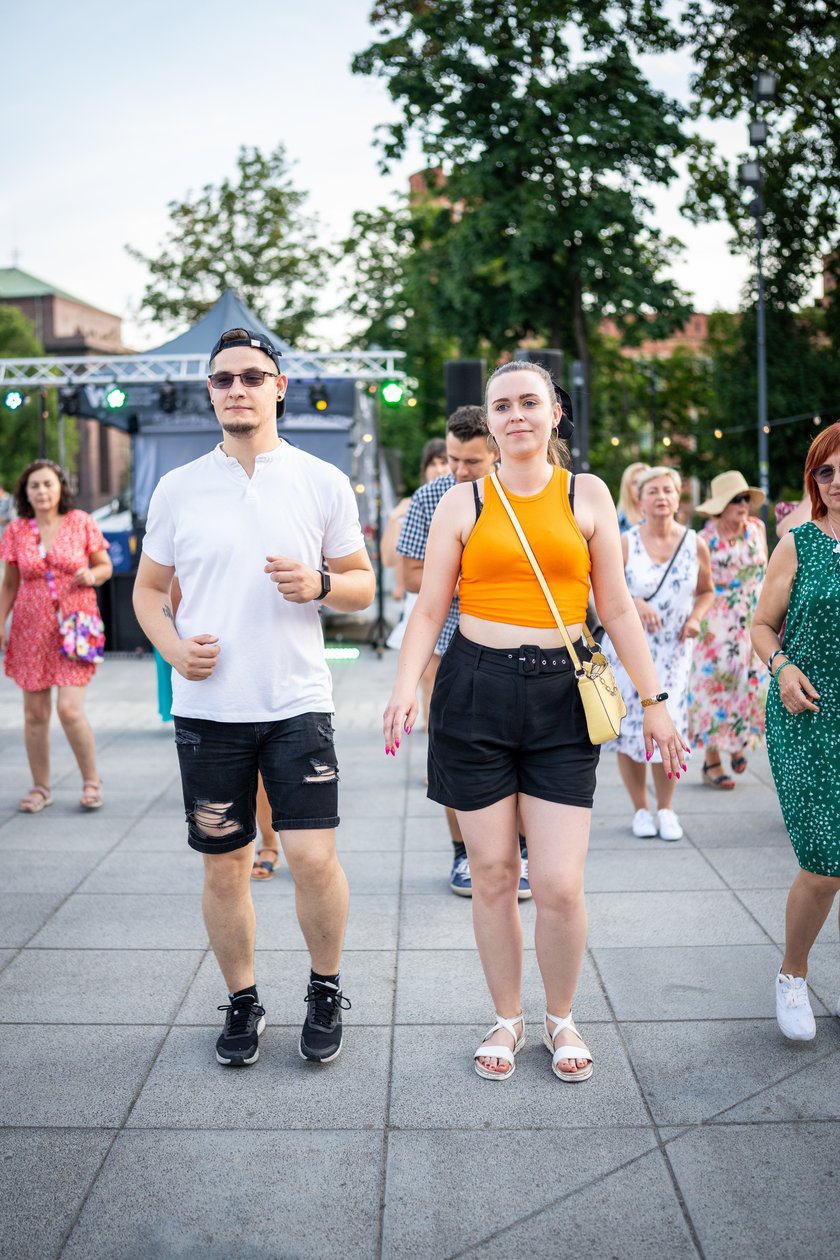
<point x="643" y="825"/>
<point x="669" y="825"/>
<point x="793" y="1009"/>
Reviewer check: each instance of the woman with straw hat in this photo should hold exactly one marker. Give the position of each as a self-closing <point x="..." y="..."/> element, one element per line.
<point x="728" y="684"/>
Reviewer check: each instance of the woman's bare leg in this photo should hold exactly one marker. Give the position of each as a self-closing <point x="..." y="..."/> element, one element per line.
<point x="77" y="728"/>
<point x="808" y="905"/>
<point x="493" y="850"/>
<point x="37" y="709"/>
<point x="634" y="777"/>
<point x="558" y="840"/>
<point x="665" y="787"/>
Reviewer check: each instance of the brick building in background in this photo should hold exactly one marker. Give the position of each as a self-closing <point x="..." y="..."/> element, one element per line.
<point x="65" y="325"/>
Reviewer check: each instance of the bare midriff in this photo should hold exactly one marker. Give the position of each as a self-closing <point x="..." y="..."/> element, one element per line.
<point x="501" y="634"/>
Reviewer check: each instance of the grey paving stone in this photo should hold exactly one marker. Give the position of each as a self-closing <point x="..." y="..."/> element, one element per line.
<point x="755" y="868"/>
<point x="456" y="1208"/>
<point x="668" y="866"/>
<point x="64" y="833"/>
<point x="188" y="1089"/>
<point x="705" y="981"/>
<point x="151" y="1199"/>
<point x="367" y="978"/>
<point x="368" y="873"/>
<point x="533" y="1098"/>
<point x="737" y="1058"/>
<point x="824" y="974"/>
<point x="376" y="801"/>
<point x="160" y="873"/>
<point x="44" y="1176"/>
<point x="447" y="986"/>
<point x="736" y="828"/>
<point x="96" y="986"/>
<point x="77" y="1075"/>
<point x="429" y="832"/>
<point x="6" y="956"/>
<point x="669" y="918"/>
<point x="156" y="835"/>
<point x="605" y="1210"/>
<point x="372" y="923"/>
<point x="768" y="907"/>
<point x="811" y="1093"/>
<point x="41" y="871"/>
<point x="445" y="922"/>
<point x="361" y="834"/>
<point x="730" y="1176"/>
<point x="612" y="831"/>
<point x="127" y="921"/>
<point x="22" y="914"/>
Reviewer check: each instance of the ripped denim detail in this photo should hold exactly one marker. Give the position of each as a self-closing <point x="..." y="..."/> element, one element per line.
<point x="322" y="772"/>
<point x="212" y="821"/>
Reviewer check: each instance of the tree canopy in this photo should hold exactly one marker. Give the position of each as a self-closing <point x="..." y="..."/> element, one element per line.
<point x="248" y="233"/>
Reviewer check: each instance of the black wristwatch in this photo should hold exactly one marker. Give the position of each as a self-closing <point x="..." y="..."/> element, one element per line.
<point x="326" y="585"/>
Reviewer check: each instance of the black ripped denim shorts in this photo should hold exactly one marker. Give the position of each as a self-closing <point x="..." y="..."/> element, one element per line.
<point x="508" y="720"/>
<point x="219" y="763"/>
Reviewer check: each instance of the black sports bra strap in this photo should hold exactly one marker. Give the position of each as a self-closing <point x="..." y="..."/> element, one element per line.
<point x="572" y="492"/>
<point x="478" y="503"/>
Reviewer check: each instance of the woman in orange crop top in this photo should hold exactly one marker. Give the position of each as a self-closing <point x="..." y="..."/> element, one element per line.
<point x="507" y="729"/>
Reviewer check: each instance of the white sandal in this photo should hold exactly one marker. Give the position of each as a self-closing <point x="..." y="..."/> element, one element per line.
<point x="500" y="1052"/>
<point x="566" y="1051"/>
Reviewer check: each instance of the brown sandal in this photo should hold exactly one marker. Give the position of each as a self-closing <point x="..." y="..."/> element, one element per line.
<point x="91" y="797"/>
<point x="263" y="868"/>
<point x="37" y="798"/>
<point x="721" y="781"/>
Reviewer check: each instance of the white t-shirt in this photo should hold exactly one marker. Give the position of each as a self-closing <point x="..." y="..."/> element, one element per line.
<point x="217" y="526"/>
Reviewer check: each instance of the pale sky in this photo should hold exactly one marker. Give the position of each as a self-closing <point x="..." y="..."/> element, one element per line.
<point x="112" y="111"/>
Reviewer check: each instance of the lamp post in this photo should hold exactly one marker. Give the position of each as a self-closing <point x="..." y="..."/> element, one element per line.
<point x="580" y="404"/>
<point x="750" y="176"/>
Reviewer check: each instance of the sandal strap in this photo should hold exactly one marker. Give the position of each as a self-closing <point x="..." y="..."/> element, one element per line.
<point x="559" y="1022"/>
<point x="495" y="1052"/>
<point x="571" y="1052"/>
<point x="509" y="1025"/>
<point x="39" y="787"/>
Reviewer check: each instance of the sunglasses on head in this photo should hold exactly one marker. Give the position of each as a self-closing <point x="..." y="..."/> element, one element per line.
<point x="824" y="475"/>
<point x="253" y="378"/>
<point x="740" y="498"/>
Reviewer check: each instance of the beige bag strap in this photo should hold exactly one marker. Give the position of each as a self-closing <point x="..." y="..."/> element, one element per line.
<point x="539" y="576"/>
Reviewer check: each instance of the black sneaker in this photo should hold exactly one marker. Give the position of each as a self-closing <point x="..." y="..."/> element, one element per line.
<point x="239" y="1043"/>
<point x="320" y="1040"/>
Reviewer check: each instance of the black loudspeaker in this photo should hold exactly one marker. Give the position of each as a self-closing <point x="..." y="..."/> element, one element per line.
<point x="463" y="382"/>
<point x="122" y="633"/>
<point x="552" y="361"/>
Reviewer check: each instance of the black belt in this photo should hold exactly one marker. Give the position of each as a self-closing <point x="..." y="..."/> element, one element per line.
<point x="526" y="659"/>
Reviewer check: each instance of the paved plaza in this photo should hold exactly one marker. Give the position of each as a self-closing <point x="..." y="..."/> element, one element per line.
<point x="702" y="1133"/>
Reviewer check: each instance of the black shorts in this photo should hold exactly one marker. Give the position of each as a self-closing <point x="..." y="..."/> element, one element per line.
<point x="219" y="763"/>
<point x="508" y="720"/>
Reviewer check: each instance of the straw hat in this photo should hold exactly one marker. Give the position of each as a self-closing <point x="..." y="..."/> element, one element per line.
<point x="725" y="488"/>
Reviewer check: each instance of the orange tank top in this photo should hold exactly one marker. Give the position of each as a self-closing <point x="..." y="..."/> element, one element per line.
<point x="497" y="581"/>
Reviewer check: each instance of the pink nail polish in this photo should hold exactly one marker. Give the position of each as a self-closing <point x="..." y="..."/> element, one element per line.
<point x="678" y="774"/>
<point x="685" y="767"/>
<point x="648" y="755"/>
<point x="670" y="776"/>
<point x="408" y="730"/>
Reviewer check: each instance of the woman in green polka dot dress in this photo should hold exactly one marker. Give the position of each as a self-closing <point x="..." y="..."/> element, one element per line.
<point x="803" y="718"/>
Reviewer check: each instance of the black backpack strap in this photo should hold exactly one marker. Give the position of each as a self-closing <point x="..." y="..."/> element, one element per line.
<point x="572" y="492"/>
<point x="478" y="504"/>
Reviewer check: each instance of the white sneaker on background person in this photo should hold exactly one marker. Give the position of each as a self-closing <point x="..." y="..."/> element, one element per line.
<point x="793" y="1008"/>
<point x="643" y="825"/>
<point x="669" y="825"/>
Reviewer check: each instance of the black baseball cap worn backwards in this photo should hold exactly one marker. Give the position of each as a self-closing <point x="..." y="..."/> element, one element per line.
<point x="258" y="341"/>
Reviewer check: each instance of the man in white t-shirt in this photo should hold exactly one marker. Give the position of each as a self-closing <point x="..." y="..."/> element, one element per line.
<point x="247" y="529"/>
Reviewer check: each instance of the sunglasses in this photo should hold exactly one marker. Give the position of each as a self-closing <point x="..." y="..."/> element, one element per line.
<point x="824" y="475"/>
<point x="252" y="379"/>
<point x="740" y="498"/>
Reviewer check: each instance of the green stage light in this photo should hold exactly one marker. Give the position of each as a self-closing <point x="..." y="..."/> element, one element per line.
<point x="14" y="399"/>
<point x="115" y="398"/>
<point x="392" y="393"/>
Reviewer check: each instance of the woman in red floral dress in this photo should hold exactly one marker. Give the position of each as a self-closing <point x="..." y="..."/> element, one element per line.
<point x="50" y="534"/>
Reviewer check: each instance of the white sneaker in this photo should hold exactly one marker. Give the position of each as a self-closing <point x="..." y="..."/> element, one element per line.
<point x="669" y="825"/>
<point x="643" y="825"/>
<point x="793" y="1009"/>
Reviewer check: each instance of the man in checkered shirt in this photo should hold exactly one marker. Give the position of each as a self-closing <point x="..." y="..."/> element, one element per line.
<point x="470" y="458"/>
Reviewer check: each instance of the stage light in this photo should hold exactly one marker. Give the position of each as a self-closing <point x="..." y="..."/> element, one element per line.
<point x="70" y="402"/>
<point x="14" y="399"/>
<point x="318" y="397"/>
<point x="412" y="402"/>
<point x="115" y="398"/>
<point x="168" y="398"/>
<point x="392" y="393"/>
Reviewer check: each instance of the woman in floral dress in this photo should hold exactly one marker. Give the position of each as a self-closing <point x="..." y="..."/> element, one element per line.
<point x="50" y="534"/>
<point x="728" y="686"/>
<point x="668" y="576"/>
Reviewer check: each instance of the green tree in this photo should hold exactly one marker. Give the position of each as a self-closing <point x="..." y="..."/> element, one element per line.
<point x="798" y="40"/>
<point x="543" y="226"/>
<point x="19" y="429"/>
<point x="249" y="234"/>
